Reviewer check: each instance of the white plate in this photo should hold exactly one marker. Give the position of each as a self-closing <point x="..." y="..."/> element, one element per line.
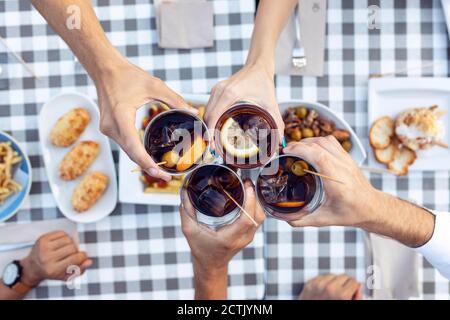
<point x="62" y="190"/>
<point x="357" y="152"/>
<point x="131" y="189"/>
<point x="391" y="96"/>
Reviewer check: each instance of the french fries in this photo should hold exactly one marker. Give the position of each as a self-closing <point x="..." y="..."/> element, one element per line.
<point x="8" y="158"/>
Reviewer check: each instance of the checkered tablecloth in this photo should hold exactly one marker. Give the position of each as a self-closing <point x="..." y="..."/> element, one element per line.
<point x="139" y="251"/>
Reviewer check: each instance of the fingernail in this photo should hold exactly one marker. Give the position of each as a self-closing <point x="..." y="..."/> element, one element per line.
<point x="283" y="142"/>
<point x="158" y="174"/>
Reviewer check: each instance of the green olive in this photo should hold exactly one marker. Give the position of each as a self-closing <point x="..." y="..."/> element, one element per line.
<point x="301" y="112"/>
<point x="296" y="134"/>
<point x="347" y="145"/>
<point x="298" y="168"/>
<point x="289" y="162"/>
<point x="171" y="159"/>
<point x="307" y="133"/>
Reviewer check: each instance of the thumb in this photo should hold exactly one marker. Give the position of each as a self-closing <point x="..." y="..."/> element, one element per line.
<point x="309" y="220"/>
<point x="174" y="100"/>
<point x="85" y="265"/>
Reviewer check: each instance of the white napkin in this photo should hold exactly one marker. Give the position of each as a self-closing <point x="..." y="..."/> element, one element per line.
<point x="185" y="24"/>
<point x="30" y="232"/>
<point x="446" y="8"/>
<point x="392" y="268"/>
<point x="312" y="19"/>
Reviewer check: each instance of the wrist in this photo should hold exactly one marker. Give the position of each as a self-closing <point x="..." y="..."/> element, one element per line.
<point x="264" y="62"/>
<point x="29" y="276"/>
<point x="209" y="272"/>
<point x="108" y="66"/>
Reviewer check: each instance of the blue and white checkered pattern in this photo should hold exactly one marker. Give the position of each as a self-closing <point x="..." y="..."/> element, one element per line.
<point x="139" y="251"/>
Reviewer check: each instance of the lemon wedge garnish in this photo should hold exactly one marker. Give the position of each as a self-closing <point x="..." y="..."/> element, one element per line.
<point x="235" y="141"/>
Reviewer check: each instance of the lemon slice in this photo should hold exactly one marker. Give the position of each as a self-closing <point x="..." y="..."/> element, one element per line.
<point x="235" y="141"/>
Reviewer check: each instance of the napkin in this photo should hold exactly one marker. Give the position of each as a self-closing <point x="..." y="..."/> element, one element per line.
<point x="393" y="268"/>
<point x="185" y="24"/>
<point x="446" y="8"/>
<point x="30" y="232"/>
<point x="312" y="20"/>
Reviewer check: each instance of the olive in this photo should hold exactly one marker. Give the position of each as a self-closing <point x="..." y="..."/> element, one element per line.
<point x="301" y="112"/>
<point x="347" y="145"/>
<point x="307" y="133"/>
<point x="170" y="158"/>
<point x="289" y="162"/>
<point x="296" y="134"/>
<point x="298" y="168"/>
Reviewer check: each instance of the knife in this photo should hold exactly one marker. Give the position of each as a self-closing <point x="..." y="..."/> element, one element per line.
<point x="15" y="246"/>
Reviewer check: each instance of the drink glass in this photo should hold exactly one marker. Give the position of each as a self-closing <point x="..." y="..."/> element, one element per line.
<point x="285" y="191"/>
<point x="209" y="188"/>
<point x="177" y="140"/>
<point x="246" y="136"/>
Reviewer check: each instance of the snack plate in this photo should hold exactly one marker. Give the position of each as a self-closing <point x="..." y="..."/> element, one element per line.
<point x="131" y="189"/>
<point x="22" y="175"/>
<point x="357" y="152"/>
<point x="62" y="190"/>
<point x="391" y="96"/>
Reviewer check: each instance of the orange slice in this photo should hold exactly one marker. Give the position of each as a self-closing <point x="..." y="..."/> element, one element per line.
<point x="192" y="155"/>
<point x="290" y="204"/>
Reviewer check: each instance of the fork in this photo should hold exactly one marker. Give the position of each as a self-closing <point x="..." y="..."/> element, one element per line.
<point x="298" y="52"/>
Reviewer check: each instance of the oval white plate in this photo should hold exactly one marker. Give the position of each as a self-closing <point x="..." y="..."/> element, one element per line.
<point x="358" y="152"/>
<point x="62" y="190"/>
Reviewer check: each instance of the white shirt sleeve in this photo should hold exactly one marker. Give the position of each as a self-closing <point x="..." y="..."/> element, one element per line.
<point x="437" y="249"/>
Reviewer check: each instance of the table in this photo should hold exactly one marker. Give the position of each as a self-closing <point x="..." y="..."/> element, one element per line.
<point x="139" y="251"/>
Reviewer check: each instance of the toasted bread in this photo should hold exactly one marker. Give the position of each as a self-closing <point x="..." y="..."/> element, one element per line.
<point x="385" y="155"/>
<point x="381" y="133"/>
<point x="403" y="158"/>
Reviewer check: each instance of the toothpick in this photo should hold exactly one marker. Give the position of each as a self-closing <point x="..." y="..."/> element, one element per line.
<point x="139" y="169"/>
<point x="19" y="58"/>
<point x="441" y="144"/>
<point x="322" y="176"/>
<point x="242" y="209"/>
<point x="401" y="71"/>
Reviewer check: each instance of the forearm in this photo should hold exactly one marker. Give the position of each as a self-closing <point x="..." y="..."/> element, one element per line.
<point x="89" y="42"/>
<point x="400" y="220"/>
<point x="210" y="284"/>
<point x="9" y="294"/>
<point x="271" y="18"/>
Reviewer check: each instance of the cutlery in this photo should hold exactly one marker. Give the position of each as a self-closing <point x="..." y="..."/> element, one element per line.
<point x="298" y="52"/>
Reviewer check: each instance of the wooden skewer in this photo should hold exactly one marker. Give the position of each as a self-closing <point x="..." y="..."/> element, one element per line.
<point x="139" y="169"/>
<point x="323" y="176"/>
<point x="239" y="206"/>
<point x="19" y="58"/>
<point x="441" y="144"/>
<point x="401" y="71"/>
<point x="377" y="170"/>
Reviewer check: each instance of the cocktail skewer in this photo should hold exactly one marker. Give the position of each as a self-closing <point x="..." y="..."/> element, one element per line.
<point x="322" y="176"/>
<point x="139" y="169"/>
<point x="19" y="58"/>
<point x="240" y="207"/>
<point x="404" y="70"/>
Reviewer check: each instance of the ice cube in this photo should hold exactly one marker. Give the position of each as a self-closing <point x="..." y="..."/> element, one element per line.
<point x="256" y="128"/>
<point x="213" y="201"/>
<point x="275" y="189"/>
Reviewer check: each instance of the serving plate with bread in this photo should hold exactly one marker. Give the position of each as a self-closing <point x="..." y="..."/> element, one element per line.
<point x="77" y="157"/>
<point x="409" y="124"/>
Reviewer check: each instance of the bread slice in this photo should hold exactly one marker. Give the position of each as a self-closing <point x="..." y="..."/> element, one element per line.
<point x="381" y="133"/>
<point x="403" y="158"/>
<point x="385" y="155"/>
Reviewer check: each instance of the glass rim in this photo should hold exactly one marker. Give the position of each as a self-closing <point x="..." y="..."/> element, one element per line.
<point x="233" y="107"/>
<point x="293" y="215"/>
<point x="189" y="176"/>
<point x="197" y="118"/>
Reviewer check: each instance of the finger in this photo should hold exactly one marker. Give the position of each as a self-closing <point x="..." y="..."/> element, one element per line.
<point x="211" y="112"/>
<point x="75" y="259"/>
<point x="309" y="220"/>
<point x="174" y="100"/>
<point x="131" y="143"/>
<point x="328" y="143"/>
<point x="55" y="235"/>
<point x="189" y="224"/>
<point x="359" y="293"/>
<point x="340" y="280"/>
<point x="187" y="205"/>
<point x="85" y="265"/>
<point x="66" y="251"/>
<point x="259" y="215"/>
<point x="314" y="154"/>
<point x="322" y="281"/>
<point x="351" y="288"/>
<point x="61" y="242"/>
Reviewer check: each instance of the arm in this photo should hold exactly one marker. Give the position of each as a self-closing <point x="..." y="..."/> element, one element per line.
<point x="357" y="203"/>
<point x="49" y="258"/>
<point x="254" y="82"/>
<point x="121" y="87"/>
<point x="213" y="250"/>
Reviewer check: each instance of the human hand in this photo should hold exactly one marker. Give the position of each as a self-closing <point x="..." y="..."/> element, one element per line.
<point x="253" y="83"/>
<point x="121" y="92"/>
<point x="50" y="257"/>
<point x="212" y="250"/>
<point x="332" y="287"/>
<point x="347" y="203"/>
